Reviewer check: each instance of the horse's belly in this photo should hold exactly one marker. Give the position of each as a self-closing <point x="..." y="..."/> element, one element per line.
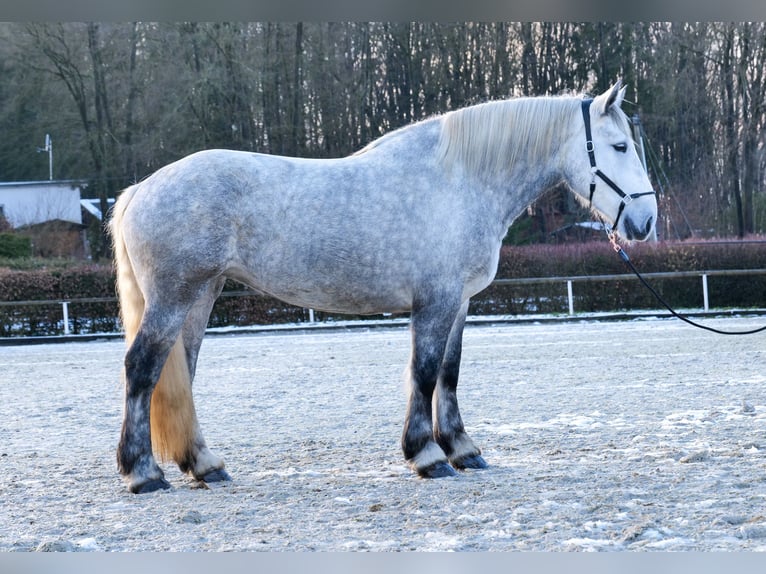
<point x="350" y="304"/>
<point x="338" y="295"/>
<point x="355" y="306"/>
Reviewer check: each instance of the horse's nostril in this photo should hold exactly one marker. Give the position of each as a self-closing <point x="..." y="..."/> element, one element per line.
<point x="633" y="229"/>
<point x="649" y="225"/>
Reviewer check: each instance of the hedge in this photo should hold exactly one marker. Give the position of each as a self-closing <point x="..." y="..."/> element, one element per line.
<point x="97" y="281"/>
<point x="58" y="285"/>
<point x="597" y="258"/>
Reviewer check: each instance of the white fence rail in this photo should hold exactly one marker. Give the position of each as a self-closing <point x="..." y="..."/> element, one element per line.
<point x="703" y="275"/>
<point x="568" y="281"/>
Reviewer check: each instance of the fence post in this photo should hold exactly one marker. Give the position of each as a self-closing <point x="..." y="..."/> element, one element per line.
<point x="65" y="309"/>
<point x="705" y="304"/>
<point x="570" y="297"/>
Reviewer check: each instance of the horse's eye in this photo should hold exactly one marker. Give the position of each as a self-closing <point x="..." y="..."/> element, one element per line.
<point x="621" y="147"/>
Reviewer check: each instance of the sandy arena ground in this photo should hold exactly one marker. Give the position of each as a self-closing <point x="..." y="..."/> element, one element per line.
<point x="641" y="435"/>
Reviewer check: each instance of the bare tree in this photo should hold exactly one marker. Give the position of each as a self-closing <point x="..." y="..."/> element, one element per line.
<point x="128" y="98"/>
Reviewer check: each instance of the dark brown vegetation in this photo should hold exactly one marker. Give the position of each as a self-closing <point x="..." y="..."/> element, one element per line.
<point x="96" y="311"/>
<point x="121" y="100"/>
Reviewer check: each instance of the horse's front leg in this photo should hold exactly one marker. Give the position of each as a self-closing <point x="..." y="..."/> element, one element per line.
<point x="449" y="430"/>
<point x="430" y="327"/>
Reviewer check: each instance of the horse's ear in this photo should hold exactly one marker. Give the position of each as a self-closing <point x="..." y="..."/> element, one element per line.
<point x="612" y="97"/>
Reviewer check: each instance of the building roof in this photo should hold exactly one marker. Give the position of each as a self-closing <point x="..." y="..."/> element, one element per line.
<point x="42" y="182"/>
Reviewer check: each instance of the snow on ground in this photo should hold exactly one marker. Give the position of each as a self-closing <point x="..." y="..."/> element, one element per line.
<point x="601" y="436"/>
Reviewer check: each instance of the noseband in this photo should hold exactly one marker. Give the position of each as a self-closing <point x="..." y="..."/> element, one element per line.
<point x="625" y="198"/>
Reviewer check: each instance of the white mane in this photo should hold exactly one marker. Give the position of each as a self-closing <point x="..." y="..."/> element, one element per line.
<point x="488" y="139"/>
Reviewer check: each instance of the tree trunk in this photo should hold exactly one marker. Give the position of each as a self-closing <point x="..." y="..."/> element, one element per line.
<point x="730" y="128"/>
<point x="104" y="142"/>
<point x="131" y="170"/>
<point x="297" y="119"/>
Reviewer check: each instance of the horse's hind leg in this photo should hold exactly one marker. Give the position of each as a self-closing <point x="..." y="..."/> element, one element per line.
<point x="198" y="460"/>
<point x="449" y="430"/>
<point x="430" y="326"/>
<point x="144" y="362"/>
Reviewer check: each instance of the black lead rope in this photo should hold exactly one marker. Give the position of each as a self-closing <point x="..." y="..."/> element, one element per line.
<point x="659" y="298"/>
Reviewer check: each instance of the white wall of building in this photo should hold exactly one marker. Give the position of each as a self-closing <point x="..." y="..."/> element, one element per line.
<point x="29" y="202"/>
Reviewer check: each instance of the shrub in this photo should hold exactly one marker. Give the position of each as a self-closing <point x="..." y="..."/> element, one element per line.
<point x="14" y="246"/>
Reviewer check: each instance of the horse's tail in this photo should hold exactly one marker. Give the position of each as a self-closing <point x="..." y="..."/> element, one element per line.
<point x="172" y="416"/>
<point x="131" y="297"/>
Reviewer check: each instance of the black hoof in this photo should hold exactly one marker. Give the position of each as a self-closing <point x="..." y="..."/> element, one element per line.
<point x="475" y="461"/>
<point x="216" y="475"/>
<point x="151" y="486"/>
<point x="437" y="470"/>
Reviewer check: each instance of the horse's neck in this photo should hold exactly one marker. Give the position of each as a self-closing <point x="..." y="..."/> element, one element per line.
<point x="508" y="193"/>
<point x="514" y="165"/>
<point x="521" y="187"/>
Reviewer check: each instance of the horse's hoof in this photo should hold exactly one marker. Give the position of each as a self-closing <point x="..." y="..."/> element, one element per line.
<point x="216" y="475"/>
<point x="151" y="486"/>
<point x="475" y="461"/>
<point x="437" y="470"/>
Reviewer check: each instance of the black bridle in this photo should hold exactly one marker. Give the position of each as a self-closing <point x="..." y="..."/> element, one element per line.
<point x="625" y="198"/>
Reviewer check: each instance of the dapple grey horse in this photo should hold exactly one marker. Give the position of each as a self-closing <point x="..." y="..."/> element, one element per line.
<point x="411" y="223"/>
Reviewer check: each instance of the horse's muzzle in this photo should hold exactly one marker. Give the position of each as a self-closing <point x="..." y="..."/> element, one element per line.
<point x="638" y="231"/>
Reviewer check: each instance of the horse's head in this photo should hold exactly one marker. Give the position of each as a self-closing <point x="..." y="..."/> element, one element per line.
<point x="606" y="170"/>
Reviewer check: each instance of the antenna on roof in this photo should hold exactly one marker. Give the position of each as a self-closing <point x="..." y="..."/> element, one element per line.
<point x="49" y="148"/>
